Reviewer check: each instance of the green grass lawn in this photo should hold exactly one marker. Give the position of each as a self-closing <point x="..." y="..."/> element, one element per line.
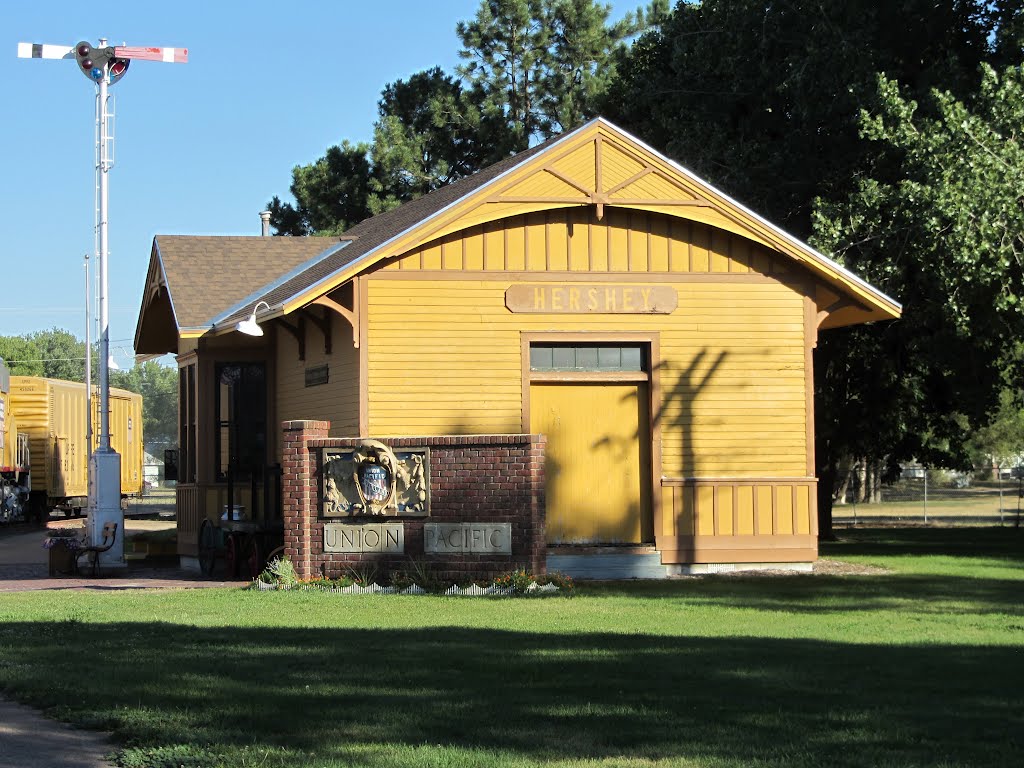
<point x="923" y="666"/>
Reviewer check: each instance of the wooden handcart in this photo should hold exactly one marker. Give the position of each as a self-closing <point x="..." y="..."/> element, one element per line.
<point x="245" y="546"/>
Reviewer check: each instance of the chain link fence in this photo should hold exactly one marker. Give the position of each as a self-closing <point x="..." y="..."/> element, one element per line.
<point x="923" y="495"/>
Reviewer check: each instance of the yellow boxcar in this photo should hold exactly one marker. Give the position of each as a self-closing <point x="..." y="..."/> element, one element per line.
<point x="52" y="413"/>
<point x="14" y="457"/>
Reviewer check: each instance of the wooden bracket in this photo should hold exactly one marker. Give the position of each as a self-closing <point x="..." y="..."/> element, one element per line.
<point x="323" y="322"/>
<point x="298" y="332"/>
<point x="835" y="306"/>
<point x="351" y="315"/>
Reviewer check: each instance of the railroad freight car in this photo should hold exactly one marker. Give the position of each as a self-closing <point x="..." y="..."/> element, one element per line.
<point x="14" y="457"/>
<point x="52" y="413"/>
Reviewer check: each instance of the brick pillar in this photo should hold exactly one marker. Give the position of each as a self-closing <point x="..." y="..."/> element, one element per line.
<point x="299" y="489"/>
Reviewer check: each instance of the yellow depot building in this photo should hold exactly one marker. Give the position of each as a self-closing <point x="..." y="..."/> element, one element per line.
<point x="590" y="290"/>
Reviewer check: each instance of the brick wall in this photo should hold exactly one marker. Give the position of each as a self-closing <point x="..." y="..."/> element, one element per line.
<point x="473" y="479"/>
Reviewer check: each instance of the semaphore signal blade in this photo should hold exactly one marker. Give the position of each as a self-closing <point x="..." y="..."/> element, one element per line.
<point x="169" y="55"/>
<point x="44" y="51"/>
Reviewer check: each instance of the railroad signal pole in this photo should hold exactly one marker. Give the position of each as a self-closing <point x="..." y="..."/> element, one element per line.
<point x="104" y="65"/>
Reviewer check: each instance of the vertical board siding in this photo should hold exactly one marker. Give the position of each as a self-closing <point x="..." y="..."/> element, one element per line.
<point x="575" y="240"/>
<point x="741" y="520"/>
<point x="338" y="400"/>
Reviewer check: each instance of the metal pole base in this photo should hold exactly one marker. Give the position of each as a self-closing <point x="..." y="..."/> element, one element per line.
<point x="105" y="506"/>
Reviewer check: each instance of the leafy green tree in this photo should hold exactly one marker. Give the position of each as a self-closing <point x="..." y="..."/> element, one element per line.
<point x="425" y="137"/>
<point x="532" y="68"/>
<point x="54" y="354"/>
<point x="158" y="385"/>
<point x="1000" y="443"/>
<point x="63" y="354"/>
<point x="331" y="194"/>
<point x="536" y="67"/>
<point x="946" y="234"/>
<point x="22" y="355"/>
<point x="763" y="99"/>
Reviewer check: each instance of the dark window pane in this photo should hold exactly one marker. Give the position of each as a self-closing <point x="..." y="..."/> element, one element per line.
<point x="564" y="358"/>
<point x="586" y="358"/>
<point x="540" y="358"/>
<point x="609" y="358"/>
<point x="632" y="359"/>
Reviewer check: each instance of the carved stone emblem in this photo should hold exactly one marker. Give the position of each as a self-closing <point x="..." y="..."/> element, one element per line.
<point x="374" y="480"/>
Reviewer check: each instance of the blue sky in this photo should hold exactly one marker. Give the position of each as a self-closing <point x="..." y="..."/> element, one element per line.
<point x="199" y="147"/>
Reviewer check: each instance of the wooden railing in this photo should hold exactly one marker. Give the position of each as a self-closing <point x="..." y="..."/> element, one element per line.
<point x="190" y="512"/>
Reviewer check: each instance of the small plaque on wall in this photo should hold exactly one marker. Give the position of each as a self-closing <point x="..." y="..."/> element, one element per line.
<point x="318" y="374"/>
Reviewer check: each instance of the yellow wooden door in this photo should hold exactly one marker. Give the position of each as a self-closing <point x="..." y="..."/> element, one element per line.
<point x="597" y="470"/>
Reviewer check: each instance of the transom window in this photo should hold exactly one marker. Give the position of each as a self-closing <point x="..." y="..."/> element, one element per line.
<point x="587" y="357"/>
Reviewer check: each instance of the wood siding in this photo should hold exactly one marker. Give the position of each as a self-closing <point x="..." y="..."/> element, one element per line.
<point x="336" y="401"/>
<point x="575" y="240"/>
<point x="710" y="520"/>
<point x="443" y="352"/>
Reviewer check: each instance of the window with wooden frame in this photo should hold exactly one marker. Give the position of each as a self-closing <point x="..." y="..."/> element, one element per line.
<point x="571" y="357"/>
<point x="187" y="424"/>
<point x="241" y="408"/>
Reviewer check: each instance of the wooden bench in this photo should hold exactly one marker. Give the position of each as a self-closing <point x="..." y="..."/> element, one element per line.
<point x="94" y="552"/>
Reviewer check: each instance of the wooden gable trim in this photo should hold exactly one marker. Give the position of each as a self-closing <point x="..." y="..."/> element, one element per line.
<point x="492" y="202"/>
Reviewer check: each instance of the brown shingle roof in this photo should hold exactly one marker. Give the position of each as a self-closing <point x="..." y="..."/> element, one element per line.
<point x="208" y="275"/>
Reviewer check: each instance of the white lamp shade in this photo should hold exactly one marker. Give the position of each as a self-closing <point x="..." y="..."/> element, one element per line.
<point x="250" y="327"/>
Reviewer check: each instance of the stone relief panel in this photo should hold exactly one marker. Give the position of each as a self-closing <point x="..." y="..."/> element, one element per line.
<point x="373" y="480"/>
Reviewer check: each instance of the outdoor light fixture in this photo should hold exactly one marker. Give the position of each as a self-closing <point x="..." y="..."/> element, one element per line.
<point x="249" y="326"/>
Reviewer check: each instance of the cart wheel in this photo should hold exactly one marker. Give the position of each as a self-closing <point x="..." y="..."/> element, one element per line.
<point x="231" y="546"/>
<point x="251" y="556"/>
<point x="207" y="547"/>
<point x="275" y="553"/>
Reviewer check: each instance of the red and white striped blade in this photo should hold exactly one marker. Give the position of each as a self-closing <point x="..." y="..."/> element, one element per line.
<point x="170" y="55"/>
<point x="43" y="51"/>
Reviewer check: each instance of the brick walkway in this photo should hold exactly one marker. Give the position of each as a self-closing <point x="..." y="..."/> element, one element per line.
<point x="26" y="577"/>
<point x="23" y="567"/>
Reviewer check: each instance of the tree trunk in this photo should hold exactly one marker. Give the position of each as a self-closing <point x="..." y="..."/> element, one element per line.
<point x="862" y="481"/>
<point x="876" y="483"/>
<point x="839" y="496"/>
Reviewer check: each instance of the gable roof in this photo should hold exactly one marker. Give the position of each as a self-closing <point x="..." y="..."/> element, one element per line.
<point x="297" y="271"/>
<point x="507" y="186"/>
<point x="192" y="279"/>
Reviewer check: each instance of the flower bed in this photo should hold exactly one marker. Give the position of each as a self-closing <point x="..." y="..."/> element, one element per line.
<point x="416" y="580"/>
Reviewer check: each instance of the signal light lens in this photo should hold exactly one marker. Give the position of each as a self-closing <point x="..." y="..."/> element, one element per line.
<point x="83" y="49"/>
<point x="86" y="64"/>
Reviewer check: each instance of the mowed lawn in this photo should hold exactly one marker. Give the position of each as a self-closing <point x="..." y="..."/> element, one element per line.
<point x="921" y="666"/>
